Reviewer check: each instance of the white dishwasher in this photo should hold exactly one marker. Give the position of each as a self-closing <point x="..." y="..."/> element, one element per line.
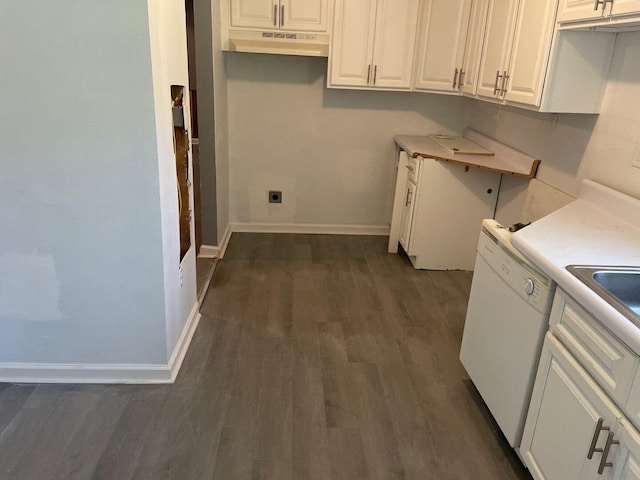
<point x="507" y="317"/>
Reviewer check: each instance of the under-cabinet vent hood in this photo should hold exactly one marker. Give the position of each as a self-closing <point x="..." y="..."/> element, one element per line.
<point x="282" y="43"/>
<point x="628" y="23"/>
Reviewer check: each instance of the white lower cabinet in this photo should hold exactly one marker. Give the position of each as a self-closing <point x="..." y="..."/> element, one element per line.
<point x="569" y="421"/>
<point x="443" y="205"/>
<point x="625" y="456"/>
<point x="407" y="216"/>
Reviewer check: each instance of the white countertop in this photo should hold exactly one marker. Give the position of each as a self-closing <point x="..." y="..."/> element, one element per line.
<point x="505" y="159"/>
<point x="602" y="227"/>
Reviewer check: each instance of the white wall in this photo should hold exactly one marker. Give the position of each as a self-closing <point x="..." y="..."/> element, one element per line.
<point x="572" y="147"/>
<point x="330" y="151"/>
<point x="170" y="67"/>
<point x="81" y="277"/>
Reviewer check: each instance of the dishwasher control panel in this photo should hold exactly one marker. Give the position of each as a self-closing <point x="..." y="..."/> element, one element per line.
<point x="530" y="284"/>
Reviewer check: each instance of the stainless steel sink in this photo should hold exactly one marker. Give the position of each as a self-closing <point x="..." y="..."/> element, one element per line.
<point x="619" y="286"/>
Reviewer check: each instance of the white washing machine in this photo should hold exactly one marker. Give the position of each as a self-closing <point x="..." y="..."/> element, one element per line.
<point x="507" y="317"/>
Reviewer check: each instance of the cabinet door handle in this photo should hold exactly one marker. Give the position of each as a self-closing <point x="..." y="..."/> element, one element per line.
<point x="605" y="453"/>
<point x="461" y="79"/>
<point x="282" y="16"/>
<point x="594" y="440"/>
<point x="275" y="15"/>
<point x="597" y="4"/>
<point x="505" y="79"/>
<point x="368" y="74"/>
<point x="496" y="89"/>
<point x="409" y="167"/>
<point x="455" y="79"/>
<point x="375" y="73"/>
<point x="408" y="201"/>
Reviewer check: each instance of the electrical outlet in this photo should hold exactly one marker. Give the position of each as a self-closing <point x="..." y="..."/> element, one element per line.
<point x="275" y="196"/>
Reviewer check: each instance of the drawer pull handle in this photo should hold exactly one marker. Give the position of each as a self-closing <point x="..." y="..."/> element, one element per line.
<point x="605" y="453"/>
<point x="594" y="440"/>
<point x="496" y="88"/>
<point x="408" y="201"/>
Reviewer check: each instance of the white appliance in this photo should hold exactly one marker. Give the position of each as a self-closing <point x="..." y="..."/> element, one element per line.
<point x="507" y="317"/>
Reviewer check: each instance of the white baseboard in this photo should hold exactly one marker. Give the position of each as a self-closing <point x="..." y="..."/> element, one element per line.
<point x="104" y="373"/>
<point x="224" y="243"/>
<point x="181" y="348"/>
<point x="209" y="251"/>
<point x="311" y="228"/>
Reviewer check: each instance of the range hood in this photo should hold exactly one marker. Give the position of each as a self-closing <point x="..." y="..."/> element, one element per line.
<point x="628" y="23"/>
<point x="279" y="43"/>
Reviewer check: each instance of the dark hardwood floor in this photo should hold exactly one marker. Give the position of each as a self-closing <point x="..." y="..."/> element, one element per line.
<point x="317" y="357"/>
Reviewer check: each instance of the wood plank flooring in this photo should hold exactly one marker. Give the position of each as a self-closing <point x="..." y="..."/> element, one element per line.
<point x="317" y="357"/>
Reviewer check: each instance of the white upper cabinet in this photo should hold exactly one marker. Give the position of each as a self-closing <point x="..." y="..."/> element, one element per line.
<point x="393" y="49"/>
<point x="293" y="15"/>
<point x="531" y="46"/>
<point x="572" y="10"/>
<point x="443" y="26"/>
<point x="255" y="13"/>
<point x="473" y="47"/>
<point x="304" y="15"/>
<point x="595" y="10"/>
<point x="625" y="7"/>
<point x="352" y="44"/>
<point x="498" y="42"/>
<point x="373" y="44"/>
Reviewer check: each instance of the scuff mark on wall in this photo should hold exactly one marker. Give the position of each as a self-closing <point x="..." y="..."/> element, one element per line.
<point x="29" y="288"/>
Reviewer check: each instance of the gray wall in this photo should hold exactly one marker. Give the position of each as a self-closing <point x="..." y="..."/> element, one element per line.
<point x="206" y="119"/>
<point x="81" y="273"/>
<point x="330" y="151"/>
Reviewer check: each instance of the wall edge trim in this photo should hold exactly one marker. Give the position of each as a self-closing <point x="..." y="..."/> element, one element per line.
<point x="312" y="228"/>
<point x="105" y="373"/>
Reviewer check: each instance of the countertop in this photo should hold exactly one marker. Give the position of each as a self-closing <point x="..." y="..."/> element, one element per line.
<point x="602" y="227"/>
<point x="505" y="159"/>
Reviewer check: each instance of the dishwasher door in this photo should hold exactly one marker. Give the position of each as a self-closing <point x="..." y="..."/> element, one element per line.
<point x="501" y="344"/>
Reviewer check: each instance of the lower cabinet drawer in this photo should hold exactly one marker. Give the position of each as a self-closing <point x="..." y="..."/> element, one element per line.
<point x="607" y="359"/>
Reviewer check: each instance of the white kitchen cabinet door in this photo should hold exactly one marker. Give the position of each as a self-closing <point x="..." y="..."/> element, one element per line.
<point x="407" y="217"/>
<point x="352" y="44"/>
<point x="473" y="47"/>
<point x="501" y="21"/>
<point x="625" y="7"/>
<point x="530" y="53"/>
<point x="563" y="418"/>
<point x="450" y="204"/>
<point x="304" y="15"/>
<point x="573" y="10"/>
<point x="393" y="51"/>
<point x="255" y="13"/>
<point x="443" y="27"/>
<point x="625" y="457"/>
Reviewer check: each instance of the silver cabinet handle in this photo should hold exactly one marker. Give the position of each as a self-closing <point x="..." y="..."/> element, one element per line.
<point x="594" y="440"/>
<point x="461" y="79"/>
<point x="505" y="78"/>
<point x="275" y="15"/>
<point x="408" y="202"/>
<point x="282" y="16"/>
<point x="455" y="79"/>
<point x="605" y="453"/>
<point x="496" y="89"/>
<point x="375" y="73"/>
<point x="368" y="74"/>
<point x="598" y="3"/>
